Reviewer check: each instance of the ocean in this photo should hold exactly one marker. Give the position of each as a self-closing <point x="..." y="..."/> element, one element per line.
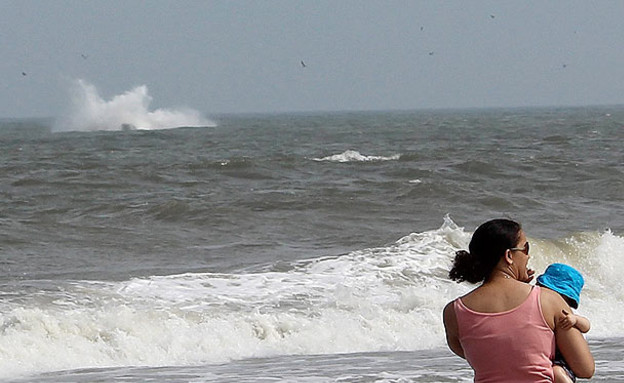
<point x="302" y="247"/>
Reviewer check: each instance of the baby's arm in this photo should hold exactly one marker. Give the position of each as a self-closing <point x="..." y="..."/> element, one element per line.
<point x="572" y="320"/>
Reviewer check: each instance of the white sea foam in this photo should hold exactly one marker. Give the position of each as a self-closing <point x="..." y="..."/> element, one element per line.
<point x="379" y="299"/>
<point x="88" y="111"/>
<point x="355" y="156"/>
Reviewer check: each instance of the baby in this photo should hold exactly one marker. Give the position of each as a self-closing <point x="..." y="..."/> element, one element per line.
<point x="568" y="282"/>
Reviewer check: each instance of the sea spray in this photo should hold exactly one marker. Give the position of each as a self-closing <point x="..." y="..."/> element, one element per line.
<point x="88" y="111"/>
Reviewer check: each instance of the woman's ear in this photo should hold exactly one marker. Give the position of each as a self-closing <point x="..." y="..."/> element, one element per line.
<point x="508" y="257"/>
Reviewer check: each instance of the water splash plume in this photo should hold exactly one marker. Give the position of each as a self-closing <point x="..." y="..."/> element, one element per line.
<point x="88" y="111"/>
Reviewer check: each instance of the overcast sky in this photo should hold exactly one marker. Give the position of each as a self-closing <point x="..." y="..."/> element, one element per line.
<point x="245" y="56"/>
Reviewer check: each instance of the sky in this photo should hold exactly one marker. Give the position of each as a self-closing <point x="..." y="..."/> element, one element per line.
<point x="273" y="56"/>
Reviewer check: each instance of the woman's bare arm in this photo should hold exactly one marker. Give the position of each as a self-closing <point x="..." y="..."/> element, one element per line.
<point x="570" y="341"/>
<point x="452" y="333"/>
<point x="574" y="348"/>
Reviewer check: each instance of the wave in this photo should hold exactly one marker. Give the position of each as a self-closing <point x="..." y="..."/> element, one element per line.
<point x="379" y="299"/>
<point x="355" y="156"/>
<point x="128" y="111"/>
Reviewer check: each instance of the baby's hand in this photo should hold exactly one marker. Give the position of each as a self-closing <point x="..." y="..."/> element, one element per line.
<point x="568" y="321"/>
<point x="530" y="275"/>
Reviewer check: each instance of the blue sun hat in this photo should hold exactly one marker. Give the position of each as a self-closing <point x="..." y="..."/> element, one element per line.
<point x="565" y="280"/>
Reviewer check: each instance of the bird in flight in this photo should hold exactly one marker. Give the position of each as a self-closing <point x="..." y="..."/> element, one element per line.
<point x="23" y="73"/>
<point x="303" y="65"/>
<point x="84" y="57"/>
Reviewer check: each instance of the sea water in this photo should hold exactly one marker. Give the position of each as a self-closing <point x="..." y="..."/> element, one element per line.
<point x="293" y="247"/>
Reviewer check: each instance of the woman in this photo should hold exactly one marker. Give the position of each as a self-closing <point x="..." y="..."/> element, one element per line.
<point x="506" y="329"/>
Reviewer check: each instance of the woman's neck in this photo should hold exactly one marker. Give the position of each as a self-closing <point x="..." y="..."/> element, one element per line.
<point x="502" y="274"/>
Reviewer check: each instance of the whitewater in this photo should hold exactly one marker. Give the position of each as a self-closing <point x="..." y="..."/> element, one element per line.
<point x="88" y="111"/>
<point x="379" y="299"/>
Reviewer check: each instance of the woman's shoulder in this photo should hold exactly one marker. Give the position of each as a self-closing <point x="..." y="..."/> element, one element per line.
<point x="550" y="297"/>
<point x="552" y="304"/>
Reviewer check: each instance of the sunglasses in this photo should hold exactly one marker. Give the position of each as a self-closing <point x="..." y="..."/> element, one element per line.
<point x="524" y="249"/>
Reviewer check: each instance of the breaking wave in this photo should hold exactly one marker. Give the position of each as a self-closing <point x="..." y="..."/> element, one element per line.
<point x="387" y="298"/>
<point x="355" y="156"/>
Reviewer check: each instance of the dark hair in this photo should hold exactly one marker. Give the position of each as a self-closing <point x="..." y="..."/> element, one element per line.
<point x="488" y="244"/>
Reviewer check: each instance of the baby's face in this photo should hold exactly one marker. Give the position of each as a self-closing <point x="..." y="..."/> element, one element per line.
<point x="569" y="301"/>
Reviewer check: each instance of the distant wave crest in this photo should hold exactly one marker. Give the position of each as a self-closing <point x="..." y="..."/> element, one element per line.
<point x="355" y="156"/>
<point x="127" y="111"/>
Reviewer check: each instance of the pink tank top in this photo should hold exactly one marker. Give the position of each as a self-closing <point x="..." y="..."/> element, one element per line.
<point x="510" y="346"/>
